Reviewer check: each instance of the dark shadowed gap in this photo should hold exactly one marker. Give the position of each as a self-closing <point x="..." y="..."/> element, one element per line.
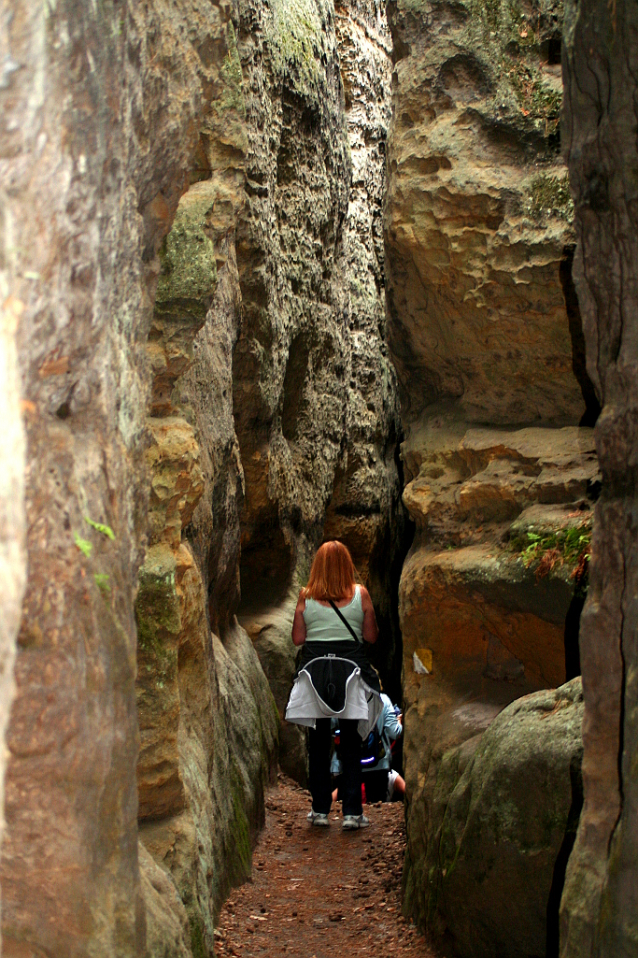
<point x="406" y="539"/>
<point x="572" y="626"/>
<point x="386" y="566"/>
<point x="579" y="365"/>
<point x="265" y="569"/>
<point x="560" y="867"/>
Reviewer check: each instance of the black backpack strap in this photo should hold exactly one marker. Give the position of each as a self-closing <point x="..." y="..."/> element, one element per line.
<point x="346" y="623"/>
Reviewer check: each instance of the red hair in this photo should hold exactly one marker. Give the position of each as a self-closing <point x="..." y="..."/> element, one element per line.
<point x="332" y="575"/>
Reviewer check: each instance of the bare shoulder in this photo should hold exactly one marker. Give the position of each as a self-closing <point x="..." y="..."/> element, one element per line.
<point x="301" y="603"/>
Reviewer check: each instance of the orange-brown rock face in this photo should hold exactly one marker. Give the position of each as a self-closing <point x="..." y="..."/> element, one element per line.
<point x="485" y="332"/>
<point x="502" y="521"/>
<point x="503" y="525"/>
<point x="477" y="214"/>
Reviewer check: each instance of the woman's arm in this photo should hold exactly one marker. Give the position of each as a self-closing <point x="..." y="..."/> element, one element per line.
<point x="299" y="623"/>
<point x="370" y="627"/>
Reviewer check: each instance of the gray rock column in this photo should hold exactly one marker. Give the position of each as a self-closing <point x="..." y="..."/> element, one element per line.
<point x="600" y="61"/>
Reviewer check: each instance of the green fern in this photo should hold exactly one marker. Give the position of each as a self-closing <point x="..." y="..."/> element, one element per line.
<point x="84" y="546"/>
<point x="100" y="527"/>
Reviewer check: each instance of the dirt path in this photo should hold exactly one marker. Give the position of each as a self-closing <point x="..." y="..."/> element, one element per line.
<point x="321" y="892"/>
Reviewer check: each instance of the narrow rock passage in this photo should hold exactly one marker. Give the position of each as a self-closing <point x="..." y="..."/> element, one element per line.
<point x="321" y="892"/>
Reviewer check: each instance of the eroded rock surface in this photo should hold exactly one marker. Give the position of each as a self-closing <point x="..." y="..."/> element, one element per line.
<point x="315" y="394"/>
<point x="208" y="725"/>
<point x="94" y="157"/>
<point x="599" y="903"/>
<point x="500" y="465"/>
<point x="503" y="523"/>
<point x="505" y="803"/>
<point x="196" y="237"/>
<point x="478" y="213"/>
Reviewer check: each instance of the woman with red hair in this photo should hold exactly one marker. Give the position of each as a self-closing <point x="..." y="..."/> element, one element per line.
<point x="334" y="621"/>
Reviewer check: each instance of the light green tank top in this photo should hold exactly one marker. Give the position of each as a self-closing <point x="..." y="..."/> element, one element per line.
<point x="324" y="625"/>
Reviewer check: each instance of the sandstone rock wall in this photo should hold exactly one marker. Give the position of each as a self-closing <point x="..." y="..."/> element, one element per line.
<point x="478" y="213"/>
<point x="315" y="394"/>
<point x="486" y="334"/>
<point x="208" y="724"/>
<point x="13" y="565"/>
<point x="119" y="109"/>
<point x="599" y="903"/>
<point x="195" y="219"/>
<point x="93" y="187"/>
<point x="506" y="803"/>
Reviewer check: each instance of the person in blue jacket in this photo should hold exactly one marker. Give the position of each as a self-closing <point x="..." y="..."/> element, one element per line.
<point x="381" y="781"/>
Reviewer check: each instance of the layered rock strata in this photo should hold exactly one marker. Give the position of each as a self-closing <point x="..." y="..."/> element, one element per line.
<point x="599" y="902"/>
<point x="485" y="331"/>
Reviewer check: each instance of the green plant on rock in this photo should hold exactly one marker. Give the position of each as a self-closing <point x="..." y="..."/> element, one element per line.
<point x="549" y="195"/>
<point x="158" y="616"/>
<point x="85" y="547"/>
<point x="546" y="551"/>
<point x="295" y="39"/>
<point x="102" y="581"/>
<point x="510" y="39"/>
<point x="188" y="274"/>
<point x="198" y="940"/>
<point x="535" y="97"/>
<point x="239" y="830"/>
<point x="100" y="527"/>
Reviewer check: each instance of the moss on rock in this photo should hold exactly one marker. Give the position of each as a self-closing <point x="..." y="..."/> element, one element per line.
<point x="500" y="813"/>
<point x="297" y="41"/>
<point x="549" y="196"/>
<point x="157" y="606"/>
<point x="232" y="97"/>
<point x="188" y="276"/>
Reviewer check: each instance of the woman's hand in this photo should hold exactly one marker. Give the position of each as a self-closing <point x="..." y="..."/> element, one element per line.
<point x="370" y="627"/>
<point x="299" y="623"/>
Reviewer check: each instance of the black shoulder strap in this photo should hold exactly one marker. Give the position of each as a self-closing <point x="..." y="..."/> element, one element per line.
<point x="345" y="622"/>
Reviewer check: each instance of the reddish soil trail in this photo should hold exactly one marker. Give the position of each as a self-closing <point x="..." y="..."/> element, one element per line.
<point x="321" y="892"/>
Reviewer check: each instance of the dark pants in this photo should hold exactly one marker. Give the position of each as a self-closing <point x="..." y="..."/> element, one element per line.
<point x="376" y="784"/>
<point x="319" y="746"/>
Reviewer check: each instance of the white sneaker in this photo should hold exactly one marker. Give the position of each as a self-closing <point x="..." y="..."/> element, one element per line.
<point x="351" y="822"/>
<point x="318" y="818"/>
